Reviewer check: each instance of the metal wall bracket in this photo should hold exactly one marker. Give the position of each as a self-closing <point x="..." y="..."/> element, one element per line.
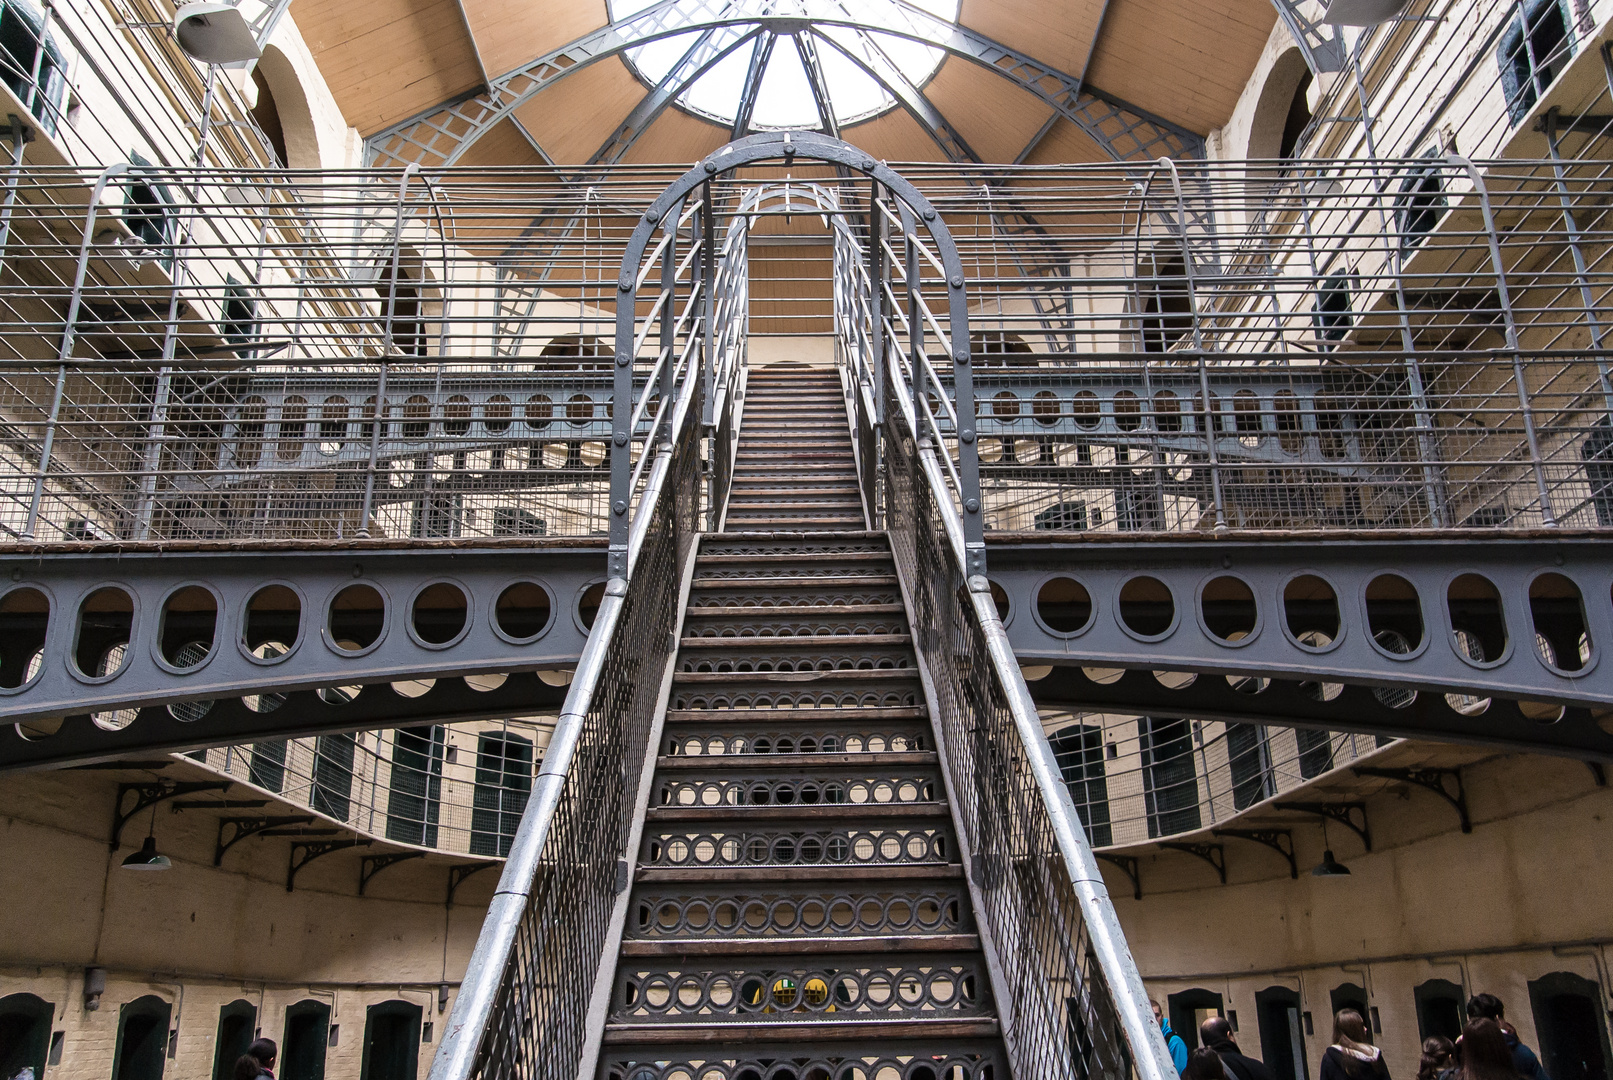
<point x="303" y="854"/>
<point x="1343" y="813"/>
<point x="1128" y="863"/>
<point x="232" y="830"/>
<point x="1433" y="780"/>
<point x="1279" y="840"/>
<point x="1214" y="854"/>
<point x="150" y="795"/>
<point x="374" y="864"/>
<point x="458" y="874"/>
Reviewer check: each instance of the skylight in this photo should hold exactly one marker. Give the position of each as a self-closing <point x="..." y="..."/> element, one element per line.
<point x="784" y="97"/>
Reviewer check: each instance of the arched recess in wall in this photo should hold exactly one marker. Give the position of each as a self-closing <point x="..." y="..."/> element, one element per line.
<point x="283" y="111"/>
<point x="414" y="300"/>
<point x="1283" y="109"/>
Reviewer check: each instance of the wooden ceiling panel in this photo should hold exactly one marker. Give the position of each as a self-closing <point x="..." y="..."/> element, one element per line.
<point x="509" y="35"/>
<point x="1057" y="32"/>
<point x="677" y="137"/>
<point x="385" y="60"/>
<point x="895" y="136"/>
<point x="573" y="117"/>
<point x="1065" y="143"/>
<point x="995" y="116"/>
<point x="1185" y="62"/>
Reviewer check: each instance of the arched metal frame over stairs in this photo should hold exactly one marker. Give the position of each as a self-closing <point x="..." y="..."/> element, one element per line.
<point x="786" y="146"/>
<point x="534" y="995"/>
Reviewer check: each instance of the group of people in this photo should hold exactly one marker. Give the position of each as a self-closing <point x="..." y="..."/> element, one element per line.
<point x="1488" y="1049"/>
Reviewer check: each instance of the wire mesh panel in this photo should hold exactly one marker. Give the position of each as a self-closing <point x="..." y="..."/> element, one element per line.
<point x="1064" y="1022"/>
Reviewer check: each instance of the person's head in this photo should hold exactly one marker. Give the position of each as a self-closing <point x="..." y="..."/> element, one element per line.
<point x="1215" y="1030"/>
<point x="1486" y="1007"/>
<point x="1349" y="1029"/>
<point x="264" y="1050"/>
<point x="1204" y="1064"/>
<point x="1485" y="1053"/>
<point x="1159" y="1015"/>
<point x="1436" y="1058"/>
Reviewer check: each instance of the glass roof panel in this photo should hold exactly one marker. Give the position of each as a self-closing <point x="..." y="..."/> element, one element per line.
<point x="784" y="99"/>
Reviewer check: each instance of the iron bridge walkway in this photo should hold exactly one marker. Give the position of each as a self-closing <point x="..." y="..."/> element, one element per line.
<point x="798" y="902"/>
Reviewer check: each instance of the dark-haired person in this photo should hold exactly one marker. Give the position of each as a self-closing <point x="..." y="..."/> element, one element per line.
<point x="1489" y="1007"/>
<point x="1352" y="1055"/>
<point x="1216" y="1033"/>
<point x="1483" y="1053"/>
<point x="1439" y="1057"/>
<point x="257" y="1061"/>
<point x="1204" y="1064"/>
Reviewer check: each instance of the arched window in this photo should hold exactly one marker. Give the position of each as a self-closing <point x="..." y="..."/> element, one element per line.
<point x="503" y="782"/>
<point x="1170" y="780"/>
<point x="302" y="1053"/>
<point x="24" y="1033"/>
<point x="1568" y="1011"/>
<point x="1536" y="46"/>
<point x="21" y="52"/>
<point x="391" y="1041"/>
<point x="1163" y="300"/>
<point x="267" y="115"/>
<point x="237" y="1022"/>
<point x="1282" y="1042"/>
<point x="415" y="786"/>
<point x="1079" y="751"/>
<point x="148" y="210"/>
<point x="142" y="1046"/>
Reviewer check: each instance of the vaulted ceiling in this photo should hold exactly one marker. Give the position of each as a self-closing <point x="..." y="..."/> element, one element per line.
<point x="1178" y="66"/>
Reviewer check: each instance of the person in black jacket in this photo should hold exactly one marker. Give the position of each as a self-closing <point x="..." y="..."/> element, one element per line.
<point x="1352" y="1055"/>
<point x="1216" y="1033"/>
<point x="1489" y="1007"/>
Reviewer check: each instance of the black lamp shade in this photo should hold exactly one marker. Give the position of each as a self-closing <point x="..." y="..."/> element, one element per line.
<point x="148" y="859"/>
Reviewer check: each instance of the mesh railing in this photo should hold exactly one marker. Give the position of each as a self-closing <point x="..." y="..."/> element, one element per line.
<point x="451" y="788"/>
<point x="523" y="1010"/>
<point x="1071" y="998"/>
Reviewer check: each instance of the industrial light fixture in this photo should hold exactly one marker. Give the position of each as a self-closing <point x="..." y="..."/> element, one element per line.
<point x="147" y="858"/>
<point x="1362" y="12"/>
<point x="214" y="33"/>
<point x="1329" y="866"/>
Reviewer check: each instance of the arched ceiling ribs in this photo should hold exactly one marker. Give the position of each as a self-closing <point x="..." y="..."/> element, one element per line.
<point x="1321" y="44"/>
<point x="753" y="86"/>
<point x="705" y="54"/>
<point x="442" y="135"/>
<point x="806" y="47"/>
<point x="882" y="69"/>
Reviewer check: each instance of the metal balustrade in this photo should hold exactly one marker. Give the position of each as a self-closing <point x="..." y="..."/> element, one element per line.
<point x="455" y="789"/>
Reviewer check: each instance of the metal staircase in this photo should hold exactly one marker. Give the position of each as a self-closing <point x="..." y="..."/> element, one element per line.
<point x="797" y="820"/>
<point x="799" y="901"/>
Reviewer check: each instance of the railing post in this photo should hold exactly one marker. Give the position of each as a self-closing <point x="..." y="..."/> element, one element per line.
<point x="669" y="315"/>
<point x="1575" y="249"/>
<point x="21" y="135"/>
<point x="68" y="340"/>
<point x="1427" y="447"/>
<point x="378" y="410"/>
<point x="915" y="324"/>
<point x="876" y="303"/>
<point x="1211" y="421"/>
<point x="1548" y="517"/>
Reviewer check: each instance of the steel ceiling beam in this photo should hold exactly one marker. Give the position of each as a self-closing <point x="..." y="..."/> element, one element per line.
<point x="753" y="86"/>
<point x="806" y="47"/>
<point x="705" y="54"/>
<point x="877" y="65"/>
<point x="442" y="135"/>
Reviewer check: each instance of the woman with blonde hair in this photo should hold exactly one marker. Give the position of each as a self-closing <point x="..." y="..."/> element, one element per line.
<point x="1352" y="1055"/>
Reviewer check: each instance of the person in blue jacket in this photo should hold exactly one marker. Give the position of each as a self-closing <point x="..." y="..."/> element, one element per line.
<point x="1489" y="1007"/>
<point x="1173" y="1041"/>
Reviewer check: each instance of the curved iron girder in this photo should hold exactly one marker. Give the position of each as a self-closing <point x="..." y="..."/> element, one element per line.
<point x="1322" y="45"/>
<point x="1433" y="664"/>
<point x="229" y="670"/>
<point x="441" y="135"/>
<point x="807" y="48"/>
